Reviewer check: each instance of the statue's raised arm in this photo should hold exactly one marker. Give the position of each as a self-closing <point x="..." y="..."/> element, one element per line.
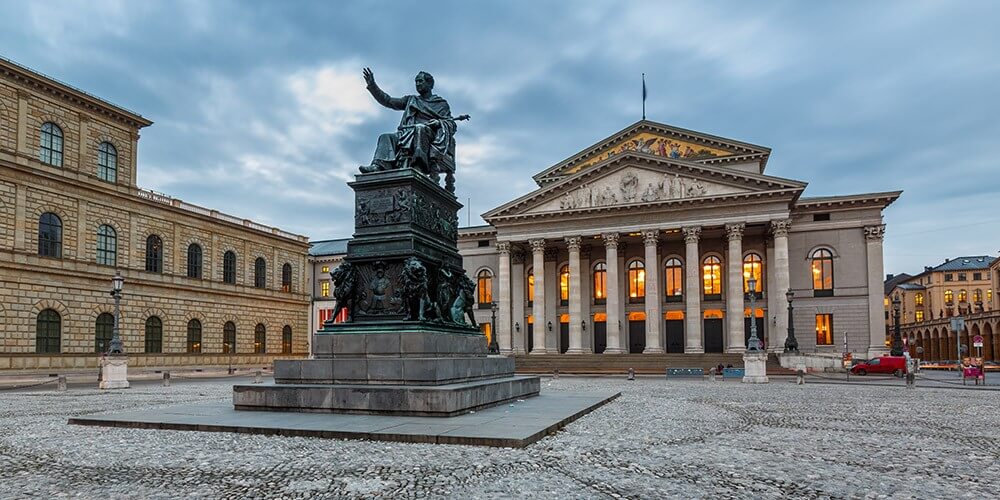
<point x="424" y="139"/>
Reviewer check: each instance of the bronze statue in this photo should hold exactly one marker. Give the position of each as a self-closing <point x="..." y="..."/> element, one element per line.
<point x="415" y="296"/>
<point x="425" y="138"/>
<point x="462" y="307"/>
<point x="344" y="281"/>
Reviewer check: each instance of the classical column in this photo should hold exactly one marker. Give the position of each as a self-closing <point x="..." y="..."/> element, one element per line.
<point x="876" y="311"/>
<point x="734" y="288"/>
<point x="504" y="334"/>
<point x="575" y="297"/>
<point x="613" y="304"/>
<point x="779" y="231"/>
<point x="654" y="318"/>
<point x="520" y="326"/>
<point x="586" y="296"/>
<point x="692" y="292"/>
<point x="538" y="302"/>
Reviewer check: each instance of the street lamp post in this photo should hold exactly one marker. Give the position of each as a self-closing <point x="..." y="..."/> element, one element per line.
<point x="753" y="344"/>
<point x="791" y="345"/>
<point x="897" y="340"/>
<point x="493" y="347"/>
<point x="116" y="291"/>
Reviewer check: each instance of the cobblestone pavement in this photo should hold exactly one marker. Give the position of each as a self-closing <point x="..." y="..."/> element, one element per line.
<point x="660" y="439"/>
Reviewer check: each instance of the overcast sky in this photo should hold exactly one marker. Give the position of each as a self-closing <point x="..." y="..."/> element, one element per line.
<point x="260" y="108"/>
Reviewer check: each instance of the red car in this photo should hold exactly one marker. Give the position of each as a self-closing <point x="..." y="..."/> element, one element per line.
<point x="895" y="365"/>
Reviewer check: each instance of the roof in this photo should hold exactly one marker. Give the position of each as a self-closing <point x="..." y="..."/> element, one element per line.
<point x="328" y="247"/>
<point x="882" y="200"/>
<point x="972" y="262"/>
<point x="911" y="286"/>
<point x="889" y="284"/>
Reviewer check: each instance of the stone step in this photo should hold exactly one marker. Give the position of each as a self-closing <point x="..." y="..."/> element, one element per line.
<point x="641" y="363"/>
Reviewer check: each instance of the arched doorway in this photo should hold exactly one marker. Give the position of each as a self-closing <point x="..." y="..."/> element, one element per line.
<point x="988" y="353"/>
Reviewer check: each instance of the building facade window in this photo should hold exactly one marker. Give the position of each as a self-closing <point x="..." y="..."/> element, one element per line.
<point x="107" y="245"/>
<point x="325" y="270"/>
<point x="918" y="315"/>
<point x="712" y="277"/>
<point x="949" y="277"/>
<point x="564" y="286"/>
<point x="154" y="254"/>
<point x="194" y="336"/>
<point x="977" y="276"/>
<point x="963" y="296"/>
<point x="949" y="297"/>
<point x="229" y="338"/>
<point x="51" y="148"/>
<point x="107" y="162"/>
<point x="824" y="329"/>
<point x="636" y="281"/>
<point x="977" y="295"/>
<point x="103" y="331"/>
<point x="822" y="273"/>
<point x="531" y="287"/>
<point x="194" y="261"/>
<point x="484" y="287"/>
<point x="48" y="332"/>
<point x="674" y="280"/>
<point x="918" y="299"/>
<point x="229" y="267"/>
<point x="286" y="277"/>
<point x="753" y="267"/>
<point x="154" y="335"/>
<point x="600" y="283"/>
<point x="286" y="340"/>
<point x="50" y="235"/>
<point x="259" y="273"/>
<point x="989" y="295"/>
<point x="259" y="339"/>
<point x="961" y="277"/>
<point x="324" y="288"/>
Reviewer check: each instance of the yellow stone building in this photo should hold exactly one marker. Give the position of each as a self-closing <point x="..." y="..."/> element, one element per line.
<point x="202" y="287"/>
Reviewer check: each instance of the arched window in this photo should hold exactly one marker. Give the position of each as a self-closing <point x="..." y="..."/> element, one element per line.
<point x="963" y="296"/>
<point x="50" y="235"/>
<point x="154" y="254"/>
<point x="154" y="335"/>
<point x="636" y="281"/>
<point x="229" y="267"/>
<point x="107" y="245"/>
<point x="286" y="277"/>
<point x="753" y="266"/>
<point x="977" y="296"/>
<point x="229" y="338"/>
<point x="564" y="285"/>
<point x="918" y="299"/>
<point x="286" y="340"/>
<point x="107" y="162"/>
<point x="712" y="277"/>
<point x="949" y="297"/>
<point x="484" y="287"/>
<point x="103" y="331"/>
<point x="531" y="287"/>
<point x="194" y="261"/>
<point x="822" y="273"/>
<point x="48" y="328"/>
<point x="600" y="283"/>
<point x="51" y="147"/>
<point x="674" y="279"/>
<point x="259" y="339"/>
<point x="194" y="336"/>
<point x="260" y="272"/>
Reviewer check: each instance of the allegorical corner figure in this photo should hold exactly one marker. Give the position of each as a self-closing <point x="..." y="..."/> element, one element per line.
<point x="425" y="138"/>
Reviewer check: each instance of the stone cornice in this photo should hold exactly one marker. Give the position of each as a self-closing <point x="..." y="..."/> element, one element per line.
<point x="820" y="203"/>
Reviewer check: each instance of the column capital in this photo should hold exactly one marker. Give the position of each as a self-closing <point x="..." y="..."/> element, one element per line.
<point x="692" y="234"/>
<point x="734" y="231"/>
<point x="537" y="245"/>
<point x="875" y="233"/>
<point x="573" y="242"/>
<point x="780" y="227"/>
<point x="610" y="240"/>
<point x="650" y="237"/>
<point x="503" y="247"/>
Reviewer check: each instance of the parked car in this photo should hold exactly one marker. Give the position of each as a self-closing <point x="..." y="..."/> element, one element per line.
<point x="895" y="365"/>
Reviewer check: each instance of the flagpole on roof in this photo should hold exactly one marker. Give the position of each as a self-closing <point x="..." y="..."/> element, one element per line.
<point x="643" y="96"/>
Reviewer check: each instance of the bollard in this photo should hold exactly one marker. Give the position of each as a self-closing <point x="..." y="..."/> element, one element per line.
<point x="61" y="383"/>
<point x="666" y="373"/>
<point x="800" y="376"/>
<point x="166" y="379"/>
<point x="256" y="377"/>
<point x="713" y="372"/>
<point x="631" y="374"/>
<point x="555" y="373"/>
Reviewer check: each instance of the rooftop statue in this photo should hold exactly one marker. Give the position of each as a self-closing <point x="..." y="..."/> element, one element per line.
<point x="425" y="138"/>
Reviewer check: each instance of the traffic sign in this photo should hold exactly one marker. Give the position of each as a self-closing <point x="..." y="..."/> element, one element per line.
<point x="977" y="341"/>
<point x="957" y="323"/>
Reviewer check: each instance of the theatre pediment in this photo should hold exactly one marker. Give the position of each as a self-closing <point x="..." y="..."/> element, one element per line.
<point x="654" y="144"/>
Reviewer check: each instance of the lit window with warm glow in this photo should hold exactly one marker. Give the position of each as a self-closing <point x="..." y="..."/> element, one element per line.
<point x="989" y="295"/>
<point x="963" y="296"/>
<point x="753" y="266"/>
<point x="949" y="296"/>
<point x="636" y="280"/>
<point x="564" y="285"/>
<point x="324" y="289"/>
<point x="918" y="299"/>
<point x="977" y="295"/>
<point x="919" y="315"/>
<point x="824" y="329"/>
<point x="484" y="286"/>
<point x="712" y="275"/>
<point x="822" y="269"/>
<point x="674" y="278"/>
<point x="531" y="286"/>
<point x="600" y="281"/>
<point x="325" y="269"/>
<point x="487" y="330"/>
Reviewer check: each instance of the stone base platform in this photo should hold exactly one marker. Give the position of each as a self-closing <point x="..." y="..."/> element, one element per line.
<point x="513" y="425"/>
<point x="379" y="399"/>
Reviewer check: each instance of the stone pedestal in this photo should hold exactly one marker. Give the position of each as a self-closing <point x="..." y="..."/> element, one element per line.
<point x="114" y="372"/>
<point x="755" y="368"/>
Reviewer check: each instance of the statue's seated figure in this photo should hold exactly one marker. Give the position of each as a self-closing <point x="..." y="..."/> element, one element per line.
<point x="424" y="139"/>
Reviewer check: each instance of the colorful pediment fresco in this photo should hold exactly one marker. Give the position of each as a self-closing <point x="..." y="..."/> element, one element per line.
<point x="654" y="144"/>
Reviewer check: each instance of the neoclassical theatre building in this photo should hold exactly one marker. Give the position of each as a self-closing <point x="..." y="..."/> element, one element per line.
<point x="202" y="287"/>
<point x="645" y="242"/>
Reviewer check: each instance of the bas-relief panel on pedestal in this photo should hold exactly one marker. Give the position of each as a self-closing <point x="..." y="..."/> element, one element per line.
<point x="655" y="144"/>
<point x="634" y="185"/>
